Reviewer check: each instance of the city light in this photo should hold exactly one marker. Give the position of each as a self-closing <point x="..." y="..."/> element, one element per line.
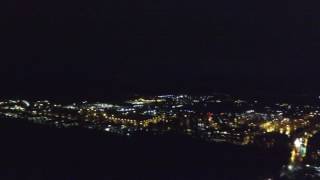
<point x="185" y="114"/>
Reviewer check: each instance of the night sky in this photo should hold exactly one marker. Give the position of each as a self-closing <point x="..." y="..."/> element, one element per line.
<point x="97" y="48"/>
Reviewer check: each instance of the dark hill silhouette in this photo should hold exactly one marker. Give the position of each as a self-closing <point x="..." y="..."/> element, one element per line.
<point x="35" y="152"/>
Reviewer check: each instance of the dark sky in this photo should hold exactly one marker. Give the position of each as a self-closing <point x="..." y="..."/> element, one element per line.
<point x="98" y="47"/>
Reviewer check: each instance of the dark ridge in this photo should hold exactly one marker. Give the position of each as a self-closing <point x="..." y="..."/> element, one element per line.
<point x="37" y="152"/>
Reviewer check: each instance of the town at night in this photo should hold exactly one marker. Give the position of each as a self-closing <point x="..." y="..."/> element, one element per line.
<point x="159" y="90"/>
<point x="215" y="118"/>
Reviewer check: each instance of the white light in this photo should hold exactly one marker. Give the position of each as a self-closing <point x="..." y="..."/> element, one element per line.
<point x="107" y="129"/>
<point x="297" y="143"/>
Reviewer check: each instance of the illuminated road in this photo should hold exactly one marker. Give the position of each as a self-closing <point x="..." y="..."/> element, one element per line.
<point x="299" y="152"/>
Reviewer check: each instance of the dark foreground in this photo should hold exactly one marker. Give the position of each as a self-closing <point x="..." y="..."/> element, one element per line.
<point x="42" y="153"/>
